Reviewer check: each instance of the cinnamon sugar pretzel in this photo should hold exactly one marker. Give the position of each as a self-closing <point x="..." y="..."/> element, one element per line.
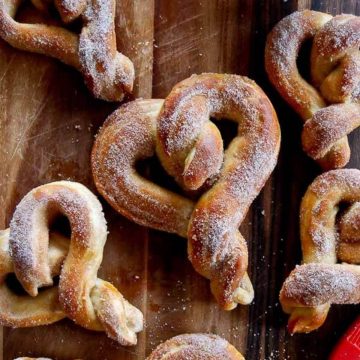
<point x="190" y="148"/>
<point x="328" y="233"/>
<point x="107" y="73"/>
<point x="330" y="105"/>
<point x="25" y="249"/>
<point x="195" y="347"/>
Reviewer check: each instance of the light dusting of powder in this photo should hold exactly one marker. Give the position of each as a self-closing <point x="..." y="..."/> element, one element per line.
<point x="94" y="41"/>
<point x="70" y="5"/>
<point x="329" y="125"/>
<point x="282" y="50"/>
<point x="71" y="199"/>
<point x="338" y="35"/>
<point x="194" y="347"/>
<point x="247" y="165"/>
<point x="335" y="40"/>
<point x="101" y="62"/>
<point x="317" y="284"/>
<point x="344" y="180"/>
<point x="131" y="138"/>
<point x="330" y="188"/>
<point x="350" y="224"/>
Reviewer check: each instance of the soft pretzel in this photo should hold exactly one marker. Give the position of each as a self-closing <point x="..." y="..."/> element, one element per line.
<point x="190" y="149"/>
<point x="195" y="347"/>
<point x="335" y="79"/>
<point x="107" y="73"/>
<point x="328" y="233"/>
<point x="25" y="250"/>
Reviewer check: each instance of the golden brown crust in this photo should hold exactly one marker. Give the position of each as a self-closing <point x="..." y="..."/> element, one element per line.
<point x="327" y="127"/>
<point x="108" y="73"/>
<point x="335" y="70"/>
<point x="127" y="136"/>
<point x="89" y="301"/>
<point x="195" y="347"/>
<point x="186" y="141"/>
<point x="327" y="234"/>
<point x="335" y="59"/>
<point x="248" y="161"/>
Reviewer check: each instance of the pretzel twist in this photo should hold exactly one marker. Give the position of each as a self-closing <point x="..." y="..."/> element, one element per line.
<point x="195" y="347"/>
<point x="328" y="233"/>
<point x="81" y="296"/>
<point x="335" y="79"/>
<point x="108" y="73"/>
<point x="190" y="149"/>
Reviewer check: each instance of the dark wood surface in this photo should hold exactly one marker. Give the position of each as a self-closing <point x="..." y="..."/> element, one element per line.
<point x="47" y="124"/>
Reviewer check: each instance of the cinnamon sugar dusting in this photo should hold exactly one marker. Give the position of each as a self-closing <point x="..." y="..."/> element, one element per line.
<point x="318" y="215"/>
<point x="318" y="284"/>
<point x="108" y="73"/>
<point x="329" y="125"/>
<point x="130" y="135"/>
<point x="335" y="72"/>
<point x="338" y="35"/>
<point x="35" y="265"/>
<point x="195" y="347"/>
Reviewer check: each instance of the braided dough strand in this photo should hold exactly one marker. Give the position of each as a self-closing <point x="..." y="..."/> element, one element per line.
<point x="328" y="233"/>
<point x="335" y="72"/>
<point x="108" y="73"/>
<point x="89" y="301"/>
<point x="335" y="59"/>
<point x="310" y="288"/>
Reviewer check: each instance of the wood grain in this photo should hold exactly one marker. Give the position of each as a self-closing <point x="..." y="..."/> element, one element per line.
<point x="47" y="124"/>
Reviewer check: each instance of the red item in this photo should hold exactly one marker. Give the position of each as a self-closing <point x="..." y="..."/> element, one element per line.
<point x="349" y="346"/>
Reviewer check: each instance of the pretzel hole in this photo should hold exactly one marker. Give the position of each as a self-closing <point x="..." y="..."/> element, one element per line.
<point x="61" y="224"/>
<point x="15" y="287"/>
<point x="28" y="13"/>
<point x="343" y="206"/>
<point x="228" y="130"/>
<point x="152" y="170"/>
<point x="303" y="60"/>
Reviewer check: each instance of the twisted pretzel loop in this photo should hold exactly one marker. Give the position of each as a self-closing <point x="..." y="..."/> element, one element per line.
<point x="107" y="73"/>
<point x="328" y="233"/>
<point x="185" y="141"/>
<point x="335" y="78"/>
<point x="25" y="250"/>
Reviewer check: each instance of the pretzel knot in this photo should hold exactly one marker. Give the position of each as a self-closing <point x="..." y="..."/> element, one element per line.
<point x="107" y="73"/>
<point x="195" y="346"/>
<point x="330" y="230"/>
<point x="330" y="105"/>
<point x="27" y="251"/>
<point x="190" y="148"/>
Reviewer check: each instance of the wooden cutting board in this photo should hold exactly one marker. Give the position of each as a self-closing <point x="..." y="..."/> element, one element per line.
<point x="47" y="124"/>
